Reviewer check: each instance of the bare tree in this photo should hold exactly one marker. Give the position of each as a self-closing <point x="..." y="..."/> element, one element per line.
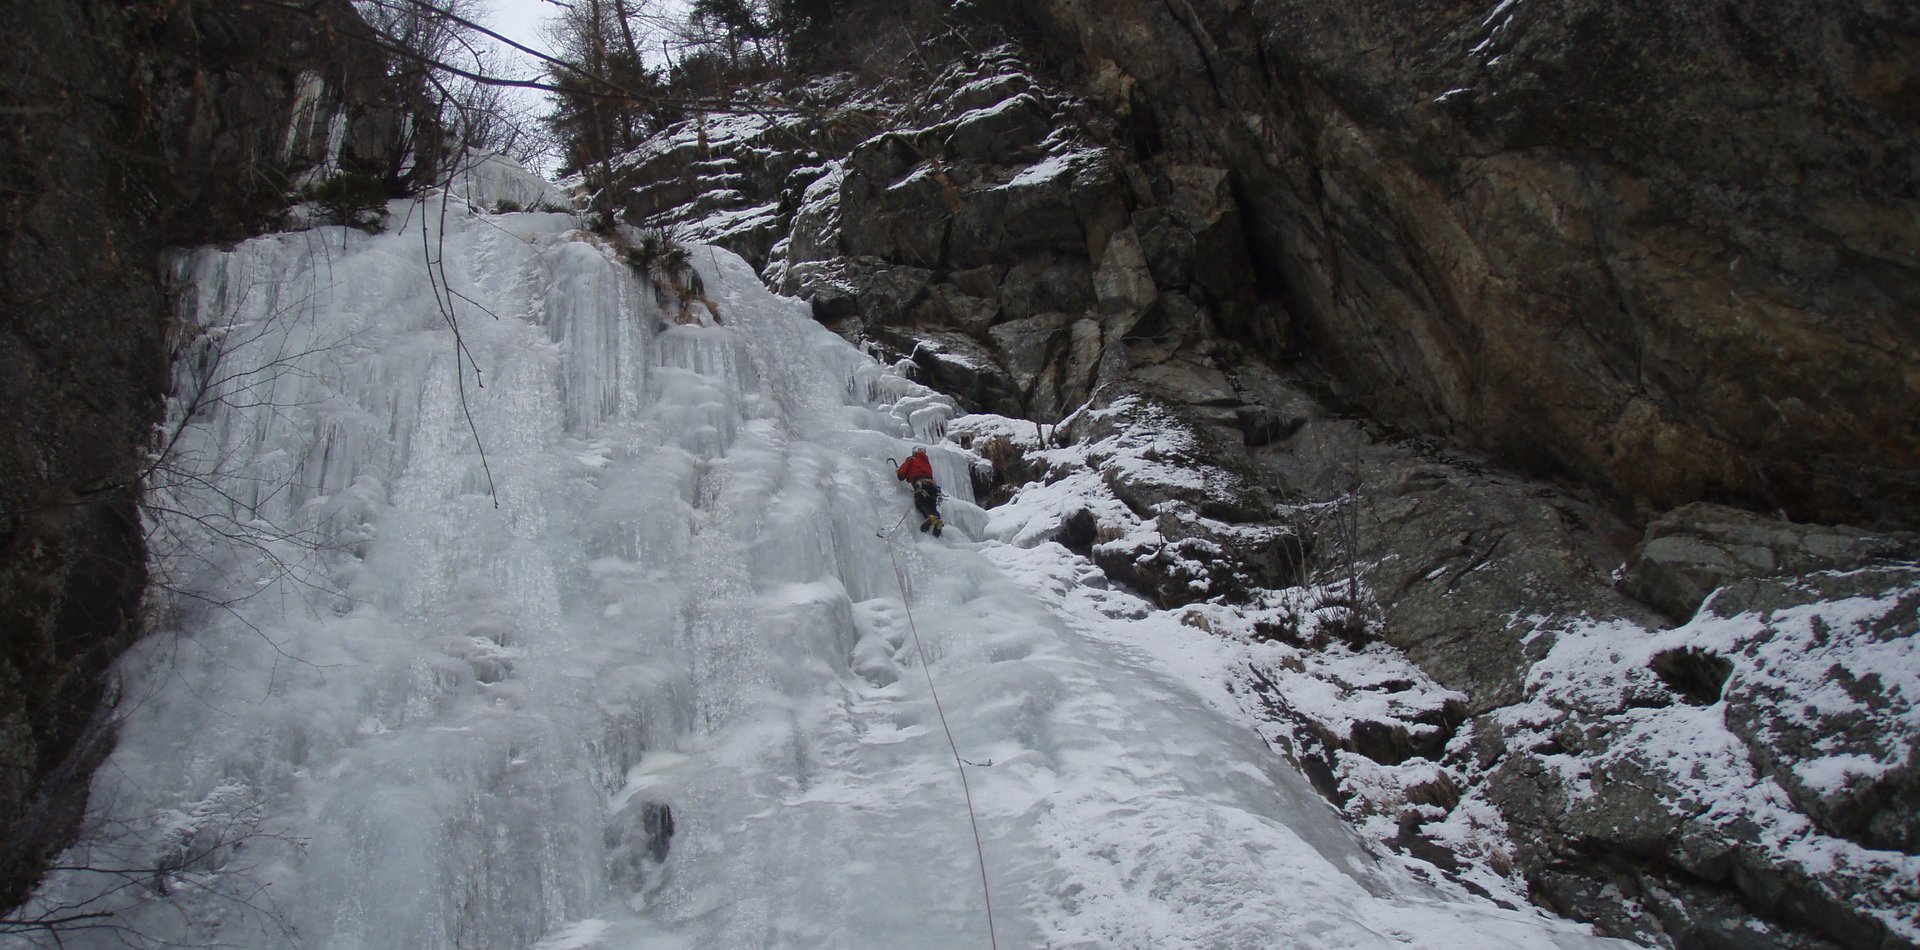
<point x="602" y="43"/>
<point x="484" y="118"/>
<point x="203" y="501"/>
<point x="131" y="872"/>
<point x="1338" y="523"/>
<point x="202" y="508"/>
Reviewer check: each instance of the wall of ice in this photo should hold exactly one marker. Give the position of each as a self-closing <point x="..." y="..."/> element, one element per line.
<point x="410" y="693"/>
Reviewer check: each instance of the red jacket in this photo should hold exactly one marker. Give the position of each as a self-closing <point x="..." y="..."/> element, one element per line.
<point x="915" y="468"/>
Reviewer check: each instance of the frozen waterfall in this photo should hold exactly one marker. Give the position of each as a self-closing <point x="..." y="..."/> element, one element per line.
<point x="665" y="693"/>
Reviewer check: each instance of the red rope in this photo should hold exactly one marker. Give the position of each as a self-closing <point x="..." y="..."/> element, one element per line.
<point x="978" y="850"/>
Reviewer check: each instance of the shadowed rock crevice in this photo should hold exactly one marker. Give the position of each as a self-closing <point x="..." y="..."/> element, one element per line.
<point x="1697" y="675"/>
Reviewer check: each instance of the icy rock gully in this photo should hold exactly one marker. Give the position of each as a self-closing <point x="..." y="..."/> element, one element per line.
<point x="396" y="715"/>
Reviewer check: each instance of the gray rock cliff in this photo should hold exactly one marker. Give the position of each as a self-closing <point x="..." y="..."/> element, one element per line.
<point x="1664" y="251"/>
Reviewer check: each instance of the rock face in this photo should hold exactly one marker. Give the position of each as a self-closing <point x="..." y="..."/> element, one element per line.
<point x="1622" y="247"/>
<point x="1746" y="779"/>
<point x="128" y="127"/>
<point x="994" y="229"/>
<point x="1692" y="551"/>
<point x="1665" y="251"/>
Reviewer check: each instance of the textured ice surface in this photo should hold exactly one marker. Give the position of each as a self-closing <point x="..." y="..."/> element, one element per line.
<point x="386" y="712"/>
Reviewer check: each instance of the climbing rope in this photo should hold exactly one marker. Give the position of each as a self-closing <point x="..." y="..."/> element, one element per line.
<point x="979" y="851"/>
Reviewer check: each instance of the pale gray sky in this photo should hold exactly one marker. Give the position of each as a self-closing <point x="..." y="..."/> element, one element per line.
<point x="520" y="19"/>
<point x="523" y="22"/>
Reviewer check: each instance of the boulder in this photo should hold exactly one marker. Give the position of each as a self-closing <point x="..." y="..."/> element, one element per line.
<point x="1166" y="246"/>
<point x="1202" y="203"/>
<point x="1081" y="367"/>
<point x="1046" y="282"/>
<point x="1032" y="211"/>
<point x="1851" y="765"/>
<point x="1168" y="459"/>
<point x="904" y="220"/>
<point x="887" y="294"/>
<point x="1187" y="558"/>
<point x="1032" y="347"/>
<point x="1691" y="551"/>
<point x="957" y="365"/>
<point x="1103" y="199"/>
<point x="1676" y="801"/>
<point x="1001" y="133"/>
<point x="945" y="305"/>
<point x="1171" y="326"/>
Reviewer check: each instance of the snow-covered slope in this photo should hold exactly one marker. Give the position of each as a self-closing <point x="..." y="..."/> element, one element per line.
<point x="646" y="673"/>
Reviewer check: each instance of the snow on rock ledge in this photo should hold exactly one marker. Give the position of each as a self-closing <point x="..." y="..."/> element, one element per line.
<point x="1769" y="745"/>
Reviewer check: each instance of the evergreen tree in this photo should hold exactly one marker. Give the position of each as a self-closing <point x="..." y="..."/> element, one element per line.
<point x="609" y="99"/>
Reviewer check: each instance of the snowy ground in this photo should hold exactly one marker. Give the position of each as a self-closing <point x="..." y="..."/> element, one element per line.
<point x="414" y="696"/>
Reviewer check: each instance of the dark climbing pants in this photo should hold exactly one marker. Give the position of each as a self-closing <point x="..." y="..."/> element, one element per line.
<point x="926" y="498"/>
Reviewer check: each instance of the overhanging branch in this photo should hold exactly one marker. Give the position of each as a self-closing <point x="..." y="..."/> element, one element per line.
<point x="389" y="43"/>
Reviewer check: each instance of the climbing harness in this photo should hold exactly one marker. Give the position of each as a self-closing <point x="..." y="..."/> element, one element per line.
<point x="959" y="763"/>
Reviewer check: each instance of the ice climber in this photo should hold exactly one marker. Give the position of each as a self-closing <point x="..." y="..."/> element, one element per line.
<point x="918" y="472"/>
